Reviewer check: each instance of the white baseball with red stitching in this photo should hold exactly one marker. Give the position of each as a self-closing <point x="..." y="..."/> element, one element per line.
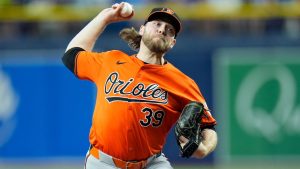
<point x="126" y="10"/>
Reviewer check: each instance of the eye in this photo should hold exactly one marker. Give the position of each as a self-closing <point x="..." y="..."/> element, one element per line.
<point x="171" y="31"/>
<point x="155" y="23"/>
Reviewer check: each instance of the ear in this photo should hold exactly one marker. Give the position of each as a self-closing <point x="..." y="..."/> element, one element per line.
<point x="173" y="43"/>
<point x="142" y="29"/>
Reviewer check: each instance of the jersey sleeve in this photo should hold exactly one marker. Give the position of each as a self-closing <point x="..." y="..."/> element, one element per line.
<point x="88" y="65"/>
<point x="194" y="94"/>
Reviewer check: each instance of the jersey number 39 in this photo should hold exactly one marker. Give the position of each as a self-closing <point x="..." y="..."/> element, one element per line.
<point x="154" y="118"/>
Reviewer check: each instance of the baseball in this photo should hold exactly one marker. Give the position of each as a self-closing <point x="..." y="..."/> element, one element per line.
<point x="126" y="10"/>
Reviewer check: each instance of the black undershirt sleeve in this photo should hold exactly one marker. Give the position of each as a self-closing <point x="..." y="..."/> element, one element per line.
<point x="69" y="58"/>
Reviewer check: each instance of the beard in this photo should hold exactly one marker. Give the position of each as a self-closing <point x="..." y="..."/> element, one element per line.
<point x="156" y="44"/>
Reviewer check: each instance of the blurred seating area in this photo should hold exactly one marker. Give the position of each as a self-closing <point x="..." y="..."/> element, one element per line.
<point x="14" y="2"/>
<point x="50" y="18"/>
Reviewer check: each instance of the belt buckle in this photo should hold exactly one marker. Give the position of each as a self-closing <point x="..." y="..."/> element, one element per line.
<point x="135" y="165"/>
<point x="127" y="163"/>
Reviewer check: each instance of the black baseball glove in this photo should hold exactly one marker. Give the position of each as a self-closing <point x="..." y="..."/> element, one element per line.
<point x="188" y="125"/>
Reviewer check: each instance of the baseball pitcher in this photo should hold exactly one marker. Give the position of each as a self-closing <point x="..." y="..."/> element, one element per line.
<point x="139" y="97"/>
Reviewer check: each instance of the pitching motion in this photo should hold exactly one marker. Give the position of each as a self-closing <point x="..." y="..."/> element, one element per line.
<point x="140" y="96"/>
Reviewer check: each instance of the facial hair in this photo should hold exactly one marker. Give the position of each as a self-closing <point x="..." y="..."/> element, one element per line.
<point x="156" y="44"/>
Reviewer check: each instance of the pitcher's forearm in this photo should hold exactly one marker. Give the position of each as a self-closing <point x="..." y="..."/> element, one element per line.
<point x="208" y="144"/>
<point x="88" y="36"/>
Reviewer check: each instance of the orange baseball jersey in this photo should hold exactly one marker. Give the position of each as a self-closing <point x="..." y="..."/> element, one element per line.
<point x="137" y="103"/>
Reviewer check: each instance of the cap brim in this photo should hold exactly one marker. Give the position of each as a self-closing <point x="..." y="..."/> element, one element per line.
<point x="164" y="16"/>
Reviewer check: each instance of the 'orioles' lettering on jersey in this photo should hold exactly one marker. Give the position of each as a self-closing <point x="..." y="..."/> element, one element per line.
<point x="150" y="94"/>
<point x="148" y="98"/>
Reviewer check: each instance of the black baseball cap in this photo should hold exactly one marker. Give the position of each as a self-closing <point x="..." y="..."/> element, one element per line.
<point x="167" y="15"/>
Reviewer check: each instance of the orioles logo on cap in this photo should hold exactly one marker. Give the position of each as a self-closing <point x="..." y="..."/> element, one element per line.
<point x="167" y="10"/>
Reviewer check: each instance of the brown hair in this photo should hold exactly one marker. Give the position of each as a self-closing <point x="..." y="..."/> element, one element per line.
<point x="132" y="37"/>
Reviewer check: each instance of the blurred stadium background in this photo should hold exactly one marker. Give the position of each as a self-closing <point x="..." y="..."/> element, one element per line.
<point x="244" y="54"/>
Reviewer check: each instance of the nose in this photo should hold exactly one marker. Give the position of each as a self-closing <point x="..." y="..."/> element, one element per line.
<point x="162" y="29"/>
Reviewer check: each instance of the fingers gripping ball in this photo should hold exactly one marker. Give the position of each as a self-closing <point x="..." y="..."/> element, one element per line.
<point x="126" y="10"/>
<point x="188" y="125"/>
